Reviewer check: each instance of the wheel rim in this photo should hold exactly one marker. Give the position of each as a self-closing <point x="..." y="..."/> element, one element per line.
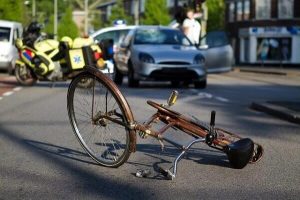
<point x="24" y="76"/>
<point x="105" y="141"/>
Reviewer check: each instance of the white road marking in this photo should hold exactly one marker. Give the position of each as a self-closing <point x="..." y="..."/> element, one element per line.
<point x="17" y="89"/>
<point x="7" y="93"/>
<point x="222" y="99"/>
<point x="203" y="95"/>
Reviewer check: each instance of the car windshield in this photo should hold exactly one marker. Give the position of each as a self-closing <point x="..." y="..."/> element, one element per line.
<point x="4" y="34"/>
<point x="116" y="35"/>
<point x="215" y="39"/>
<point x="161" y="36"/>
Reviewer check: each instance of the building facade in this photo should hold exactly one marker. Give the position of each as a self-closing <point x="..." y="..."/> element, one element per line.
<point x="264" y="31"/>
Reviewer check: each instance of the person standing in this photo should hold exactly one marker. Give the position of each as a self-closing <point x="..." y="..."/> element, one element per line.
<point x="191" y="27"/>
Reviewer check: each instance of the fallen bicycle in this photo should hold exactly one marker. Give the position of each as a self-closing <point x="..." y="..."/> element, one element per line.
<point x="103" y="122"/>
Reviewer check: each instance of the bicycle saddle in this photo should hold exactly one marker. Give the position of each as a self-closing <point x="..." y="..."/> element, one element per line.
<point x="240" y="152"/>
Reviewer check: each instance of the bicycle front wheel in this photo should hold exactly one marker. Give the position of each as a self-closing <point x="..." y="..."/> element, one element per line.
<point x="99" y="114"/>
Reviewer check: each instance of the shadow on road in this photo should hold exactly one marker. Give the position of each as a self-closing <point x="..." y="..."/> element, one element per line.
<point x="91" y="183"/>
<point x="60" y="151"/>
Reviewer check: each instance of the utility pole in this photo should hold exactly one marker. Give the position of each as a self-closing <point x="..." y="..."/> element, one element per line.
<point x="33" y="10"/>
<point x="136" y="12"/>
<point x="86" y="16"/>
<point x="55" y="19"/>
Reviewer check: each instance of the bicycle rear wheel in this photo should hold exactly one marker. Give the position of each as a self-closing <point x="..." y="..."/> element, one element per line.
<point x="93" y="112"/>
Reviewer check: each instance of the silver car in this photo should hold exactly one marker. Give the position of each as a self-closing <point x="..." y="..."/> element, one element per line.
<point x="159" y="53"/>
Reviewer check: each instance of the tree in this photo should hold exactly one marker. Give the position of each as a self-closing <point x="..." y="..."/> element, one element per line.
<point x="118" y="12"/>
<point x="216" y="14"/>
<point x="49" y="28"/>
<point x="67" y="26"/>
<point x="12" y="10"/>
<point x="156" y="13"/>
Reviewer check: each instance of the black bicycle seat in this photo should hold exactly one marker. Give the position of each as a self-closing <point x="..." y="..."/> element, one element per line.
<point x="240" y="152"/>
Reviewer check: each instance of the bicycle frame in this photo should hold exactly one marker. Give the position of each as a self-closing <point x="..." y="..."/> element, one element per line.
<point x="173" y="119"/>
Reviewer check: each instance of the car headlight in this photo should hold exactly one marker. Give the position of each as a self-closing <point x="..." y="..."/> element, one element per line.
<point x="199" y="59"/>
<point x="146" y="58"/>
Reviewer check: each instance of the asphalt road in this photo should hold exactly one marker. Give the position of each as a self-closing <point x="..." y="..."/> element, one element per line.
<point x="41" y="158"/>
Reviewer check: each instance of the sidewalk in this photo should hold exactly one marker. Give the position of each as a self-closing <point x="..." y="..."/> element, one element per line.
<point x="283" y="71"/>
<point x="286" y="110"/>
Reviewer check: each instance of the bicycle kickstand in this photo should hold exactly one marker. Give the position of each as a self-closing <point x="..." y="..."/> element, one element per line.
<point x="171" y="175"/>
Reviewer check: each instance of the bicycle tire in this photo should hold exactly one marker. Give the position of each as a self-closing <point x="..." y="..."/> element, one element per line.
<point x="108" y="143"/>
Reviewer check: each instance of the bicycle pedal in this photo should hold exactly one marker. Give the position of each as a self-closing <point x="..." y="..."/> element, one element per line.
<point x="142" y="173"/>
<point x="167" y="173"/>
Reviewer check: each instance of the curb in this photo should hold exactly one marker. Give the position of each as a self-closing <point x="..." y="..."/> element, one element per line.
<point x="277" y="111"/>
<point x="263" y="72"/>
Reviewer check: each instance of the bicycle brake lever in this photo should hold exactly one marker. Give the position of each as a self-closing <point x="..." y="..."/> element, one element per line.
<point x="211" y="134"/>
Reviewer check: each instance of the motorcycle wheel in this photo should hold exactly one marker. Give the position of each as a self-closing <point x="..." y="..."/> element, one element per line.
<point x="25" y="76"/>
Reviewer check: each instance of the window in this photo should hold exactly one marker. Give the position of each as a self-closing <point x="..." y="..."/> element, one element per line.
<point x="4" y="34"/>
<point x="170" y="3"/>
<point x="285" y="9"/>
<point x="274" y="49"/>
<point x="246" y="10"/>
<point x="231" y="12"/>
<point x="183" y="2"/>
<point x="239" y="11"/>
<point x="215" y="39"/>
<point x="263" y="9"/>
<point x="142" y="5"/>
<point x="161" y="36"/>
<point x="107" y="35"/>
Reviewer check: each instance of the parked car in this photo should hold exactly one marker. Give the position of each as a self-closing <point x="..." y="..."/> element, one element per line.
<point x="159" y="53"/>
<point x="218" y="53"/>
<point x="9" y="32"/>
<point x="116" y="33"/>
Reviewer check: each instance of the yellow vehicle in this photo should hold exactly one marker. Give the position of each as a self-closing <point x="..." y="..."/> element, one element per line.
<point x="52" y="60"/>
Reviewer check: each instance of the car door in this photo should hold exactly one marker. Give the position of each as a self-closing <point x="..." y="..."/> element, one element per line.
<point x="123" y="54"/>
<point x="217" y="51"/>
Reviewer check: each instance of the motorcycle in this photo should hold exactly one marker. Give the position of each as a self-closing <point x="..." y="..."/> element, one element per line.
<point x="51" y="60"/>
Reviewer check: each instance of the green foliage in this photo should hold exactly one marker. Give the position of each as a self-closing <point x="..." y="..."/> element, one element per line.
<point x="156" y="13"/>
<point x="67" y="26"/>
<point x="216" y="14"/>
<point x="96" y="22"/>
<point x="118" y="12"/>
<point x="12" y="10"/>
<point x="49" y="28"/>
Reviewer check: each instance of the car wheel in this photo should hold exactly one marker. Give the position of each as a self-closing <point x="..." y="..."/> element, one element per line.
<point x="132" y="82"/>
<point x="118" y="77"/>
<point x="200" y="84"/>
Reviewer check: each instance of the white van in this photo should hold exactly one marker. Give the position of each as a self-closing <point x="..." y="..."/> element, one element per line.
<point x="9" y="32"/>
